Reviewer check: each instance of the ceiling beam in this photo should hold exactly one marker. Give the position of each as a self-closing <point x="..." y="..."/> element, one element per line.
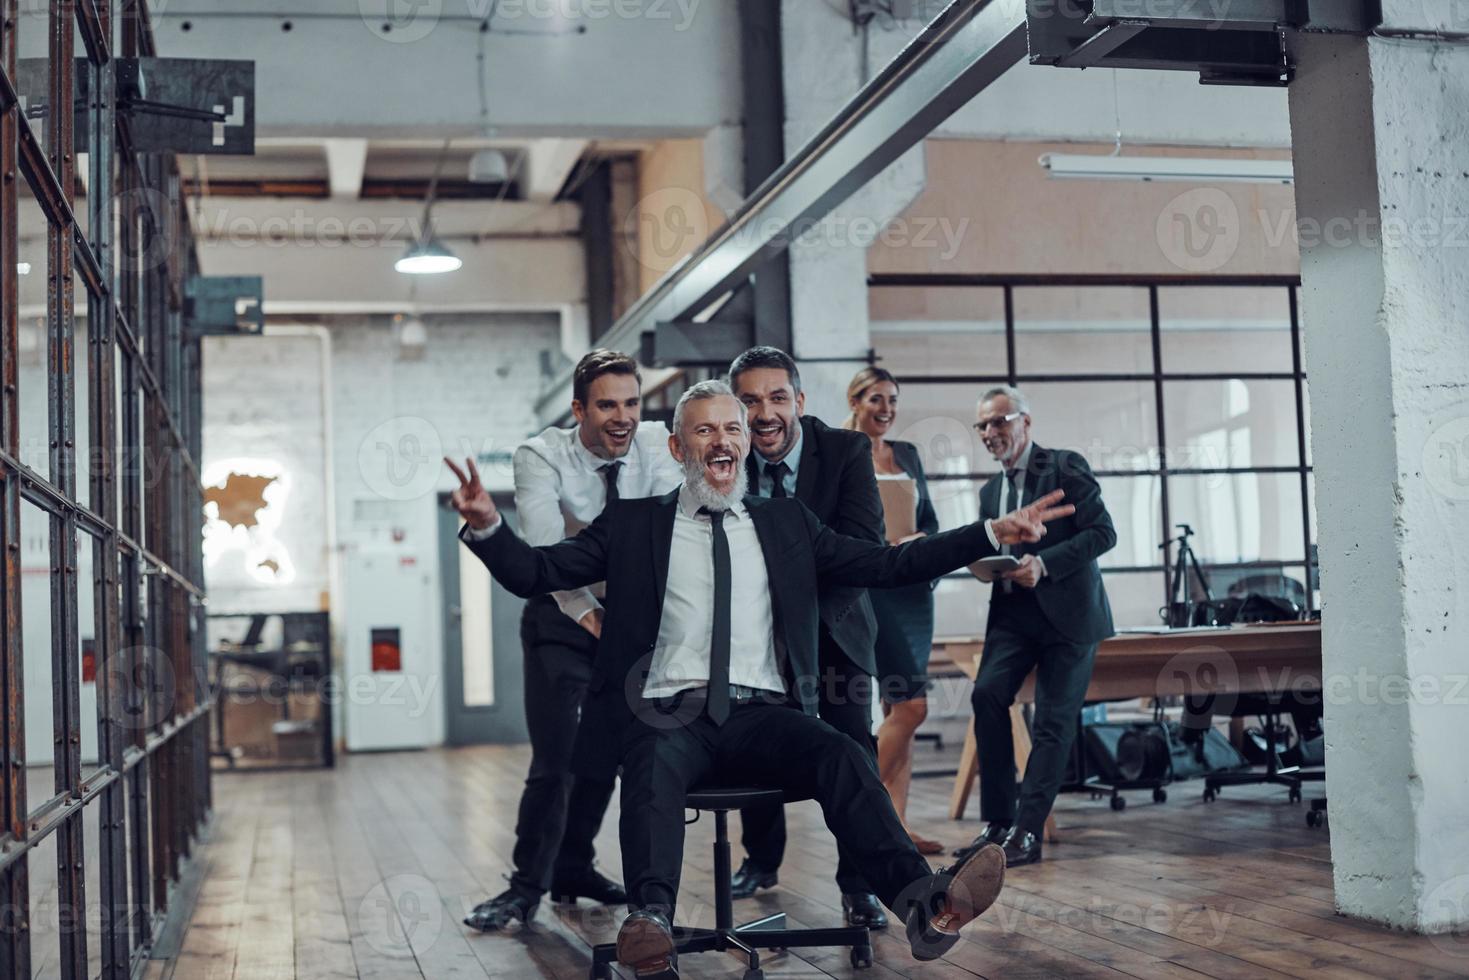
<point x="548" y="164"/>
<point x="968" y="46"/>
<point x="346" y="162"/>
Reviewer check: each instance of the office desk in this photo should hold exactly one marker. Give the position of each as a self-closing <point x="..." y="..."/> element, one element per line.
<point x="1270" y="659"/>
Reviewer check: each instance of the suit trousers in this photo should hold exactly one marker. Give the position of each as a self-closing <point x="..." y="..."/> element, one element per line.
<point x="846" y="705"/>
<point x="761" y="744"/>
<point x="1019" y="639"/>
<point x="560" y="813"/>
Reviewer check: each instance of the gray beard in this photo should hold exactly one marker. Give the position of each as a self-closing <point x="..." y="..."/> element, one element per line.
<point x="704" y="494"/>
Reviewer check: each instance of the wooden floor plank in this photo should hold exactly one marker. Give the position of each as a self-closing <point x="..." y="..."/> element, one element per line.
<point x="367" y="870"/>
<point x="323" y="940"/>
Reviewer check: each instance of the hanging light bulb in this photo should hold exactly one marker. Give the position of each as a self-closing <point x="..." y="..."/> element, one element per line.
<point x="428" y="256"/>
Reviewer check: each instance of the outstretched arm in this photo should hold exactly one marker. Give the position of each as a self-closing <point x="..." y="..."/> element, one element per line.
<point x="849" y="561"/>
<point x="524" y="570"/>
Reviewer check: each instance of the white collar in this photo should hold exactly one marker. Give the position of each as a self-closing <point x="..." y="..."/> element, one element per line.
<point x="591" y="460"/>
<point x="690" y="507"/>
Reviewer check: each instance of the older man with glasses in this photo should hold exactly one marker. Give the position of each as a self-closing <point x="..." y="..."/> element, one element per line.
<point x="1048" y="615"/>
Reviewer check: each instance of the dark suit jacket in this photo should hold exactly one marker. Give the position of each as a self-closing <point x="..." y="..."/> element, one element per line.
<point x="905" y="454"/>
<point x="1071" y="595"/>
<point x="835" y="479"/>
<point x="628" y="548"/>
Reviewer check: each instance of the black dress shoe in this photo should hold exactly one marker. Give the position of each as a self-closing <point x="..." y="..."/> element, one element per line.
<point x="994" y="833"/>
<point x="751" y="878"/>
<point x="954" y="898"/>
<point x="589" y="884"/>
<point x="863" y="909"/>
<point x="500" y="912"/>
<point x="1021" y="847"/>
<point x="645" y="943"/>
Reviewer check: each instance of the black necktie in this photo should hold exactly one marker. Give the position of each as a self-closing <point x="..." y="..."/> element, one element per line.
<point x="718" y="705"/>
<point x="609" y="473"/>
<point x="777" y="473"/>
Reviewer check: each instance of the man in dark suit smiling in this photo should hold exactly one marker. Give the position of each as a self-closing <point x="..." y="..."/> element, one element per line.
<point x="1048" y="615"/>
<point x="684" y="691"/>
<point x="830" y="471"/>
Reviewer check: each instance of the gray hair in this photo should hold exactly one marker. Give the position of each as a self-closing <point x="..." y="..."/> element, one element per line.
<point x="1017" y="398"/>
<point x="703" y="391"/>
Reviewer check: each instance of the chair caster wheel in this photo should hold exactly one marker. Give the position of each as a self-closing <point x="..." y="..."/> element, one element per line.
<point x="1160" y="795"/>
<point x="755" y="974"/>
<point x="1119" y="803"/>
<point x="1295" y="794"/>
<point x="1210" y="794"/>
<point x="1313" y="819"/>
<point x="861" y="957"/>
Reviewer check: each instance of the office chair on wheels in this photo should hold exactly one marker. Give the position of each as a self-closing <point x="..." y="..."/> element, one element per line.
<point x="1270" y="709"/>
<point x="747" y="940"/>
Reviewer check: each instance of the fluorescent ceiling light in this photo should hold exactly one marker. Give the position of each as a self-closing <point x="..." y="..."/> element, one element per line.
<point x="1196" y="170"/>
<point x="24" y="268"/>
<point x="428" y="257"/>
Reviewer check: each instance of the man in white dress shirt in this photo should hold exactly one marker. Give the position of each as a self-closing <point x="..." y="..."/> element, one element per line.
<point x="563" y="480"/>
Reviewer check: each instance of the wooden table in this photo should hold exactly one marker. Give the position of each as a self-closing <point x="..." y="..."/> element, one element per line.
<point x="1271" y="659"/>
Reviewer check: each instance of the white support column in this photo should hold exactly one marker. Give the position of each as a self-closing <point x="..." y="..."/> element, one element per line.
<point x="824" y="60"/>
<point x="1380" y="129"/>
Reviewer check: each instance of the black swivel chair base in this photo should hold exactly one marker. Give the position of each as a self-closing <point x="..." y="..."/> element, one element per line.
<point x="1290" y="777"/>
<point x="747" y="940"/>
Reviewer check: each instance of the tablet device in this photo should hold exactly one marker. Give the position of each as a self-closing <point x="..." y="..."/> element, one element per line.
<point x="989" y="569"/>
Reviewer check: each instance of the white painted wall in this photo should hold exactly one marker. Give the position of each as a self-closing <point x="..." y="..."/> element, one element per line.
<point x="393" y="418"/>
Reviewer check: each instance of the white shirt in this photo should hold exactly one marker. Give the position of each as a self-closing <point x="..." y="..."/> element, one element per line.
<point x="765" y="486"/>
<point x="559" y="489"/>
<point x="685" y="633"/>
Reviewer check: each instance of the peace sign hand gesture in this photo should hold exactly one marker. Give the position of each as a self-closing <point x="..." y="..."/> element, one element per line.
<point x="1028" y="524"/>
<point x="472" y="500"/>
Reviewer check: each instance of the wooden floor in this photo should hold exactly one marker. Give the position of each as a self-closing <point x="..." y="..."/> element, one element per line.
<point x="367" y="870"/>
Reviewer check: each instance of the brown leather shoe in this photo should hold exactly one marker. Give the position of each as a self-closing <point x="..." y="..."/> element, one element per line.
<point x="645" y="943"/>
<point x="960" y="895"/>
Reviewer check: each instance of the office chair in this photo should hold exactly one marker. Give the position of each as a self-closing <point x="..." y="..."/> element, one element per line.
<point x="767" y="933"/>
<point x="1269" y="708"/>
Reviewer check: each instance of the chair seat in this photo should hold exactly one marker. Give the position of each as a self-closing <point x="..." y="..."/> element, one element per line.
<point x="730" y="797"/>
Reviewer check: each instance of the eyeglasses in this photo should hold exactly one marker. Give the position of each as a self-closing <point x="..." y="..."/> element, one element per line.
<point x="999" y="421"/>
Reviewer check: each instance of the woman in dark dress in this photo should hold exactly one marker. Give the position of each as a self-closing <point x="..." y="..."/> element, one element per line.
<point x="905" y="615"/>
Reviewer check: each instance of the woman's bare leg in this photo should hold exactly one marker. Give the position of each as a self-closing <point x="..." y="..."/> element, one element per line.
<point x="895" y="756"/>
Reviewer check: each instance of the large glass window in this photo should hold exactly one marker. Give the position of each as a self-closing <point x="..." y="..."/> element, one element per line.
<point x="1188" y="401"/>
